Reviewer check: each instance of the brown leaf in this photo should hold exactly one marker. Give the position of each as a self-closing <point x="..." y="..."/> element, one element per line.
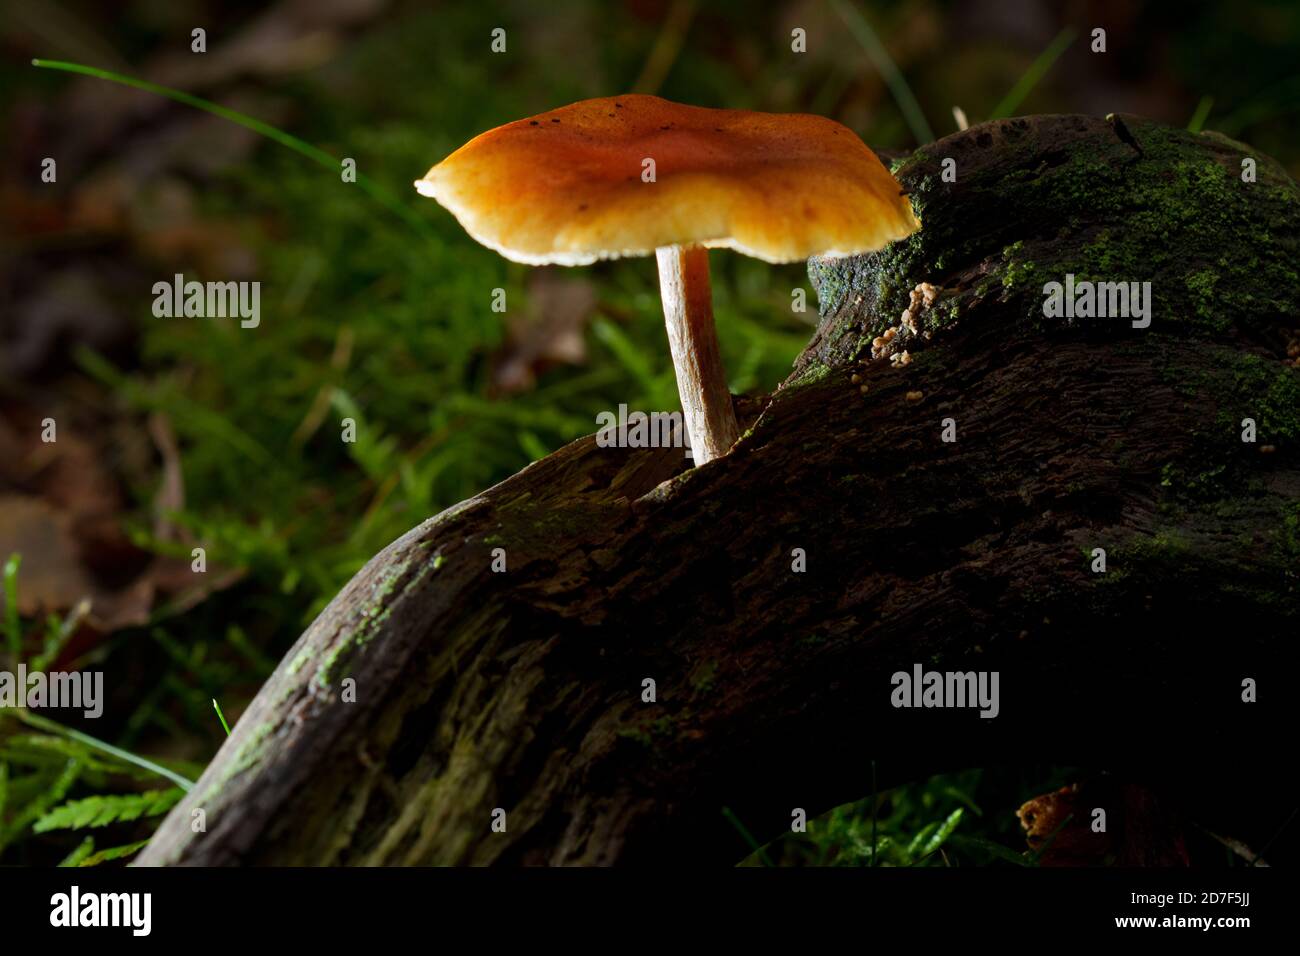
<point x="1141" y="829"/>
<point x="62" y="510"/>
<point x="550" y="333"/>
<point x="52" y="577"/>
<point x="61" y="311"/>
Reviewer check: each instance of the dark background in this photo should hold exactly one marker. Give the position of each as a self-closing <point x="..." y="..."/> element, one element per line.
<point x="177" y="433"/>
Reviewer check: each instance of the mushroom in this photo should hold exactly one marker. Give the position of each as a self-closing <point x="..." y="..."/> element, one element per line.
<point x="628" y="175"/>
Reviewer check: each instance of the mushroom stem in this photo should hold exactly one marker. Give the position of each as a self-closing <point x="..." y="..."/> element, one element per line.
<point x="701" y="382"/>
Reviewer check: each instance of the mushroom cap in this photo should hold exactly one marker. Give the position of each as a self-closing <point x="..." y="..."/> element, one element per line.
<point x="566" y="187"/>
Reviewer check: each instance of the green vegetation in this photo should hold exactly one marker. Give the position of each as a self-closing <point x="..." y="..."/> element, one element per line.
<point x="1103" y="217"/>
<point x="376" y="307"/>
<point x="38" y="770"/>
<point x="937" y="822"/>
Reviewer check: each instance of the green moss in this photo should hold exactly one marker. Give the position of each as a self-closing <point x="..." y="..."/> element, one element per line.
<point x="703" y="675"/>
<point x="378" y="608"/>
<point x="812" y="374"/>
<point x="1018" y="270"/>
<point x="542" y="521"/>
<point x="829" y="279"/>
<point x="1202" y="484"/>
<point x="1218" y="468"/>
<point x="301" y="658"/>
<point x="637" y="735"/>
<point x="1170" y="560"/>
<point x="1251" y="386"/>
<point x="1219" y="253"/>
<point x="1201" y="286"/>
<point x="1287" y="539"/>
<point x="252" y="747"/>
<point x="1165" y="551"/>
<point x="665" y="726"/>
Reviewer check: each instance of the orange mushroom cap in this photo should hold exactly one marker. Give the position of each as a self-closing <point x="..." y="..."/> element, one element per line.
<point x="566" y="187"/>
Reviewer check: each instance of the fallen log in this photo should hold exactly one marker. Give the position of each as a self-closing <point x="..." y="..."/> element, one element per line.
<point x="435" y="691"/>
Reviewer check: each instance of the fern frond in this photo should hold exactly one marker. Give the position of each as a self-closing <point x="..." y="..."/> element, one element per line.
<point x="38" y="806"/>
<point x="101" y="810"/>
<point x="83" y="850"/>
<point x="113" y="853"/>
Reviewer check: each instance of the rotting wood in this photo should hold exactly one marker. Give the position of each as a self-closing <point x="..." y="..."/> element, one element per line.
<point x="521" y="690"/>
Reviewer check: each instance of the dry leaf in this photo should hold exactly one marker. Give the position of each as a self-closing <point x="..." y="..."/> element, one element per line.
<point x="1140" y="828"/>
<point x="61" y="509"/>
<point x="551" y="332"/>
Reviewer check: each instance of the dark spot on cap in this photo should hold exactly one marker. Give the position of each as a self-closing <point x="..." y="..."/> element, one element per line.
<point x="554" y="121"/>
<point x="609" y="114"/>
<point x="582" y="207"/>
<point x="532" y="122"/>
<point x="663" y="127"/>
<point x="618" y="106"/>
<point x="717" y="129"/>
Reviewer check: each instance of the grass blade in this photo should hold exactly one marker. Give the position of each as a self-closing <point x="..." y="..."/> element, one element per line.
<point x="1037" y="854"/>
<point x="747" y="836"/>
<point x="50" y="726"/>
<point x="1202" y="113"/>
<point x="83" y="850"/>
<point x="936" y="839"/>
<point x="874" y="844"/>
<point x="995" y="850"/>
<point x="113" y="853"/>
<point x="315" y="154"/>
<point x="221" y="716"/>
<point x="881" y="59"/>
<point x="13" y="631"/>
<point x="1011" y="102"/>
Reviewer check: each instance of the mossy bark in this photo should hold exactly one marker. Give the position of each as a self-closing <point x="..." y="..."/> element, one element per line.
<point x="522" y="689"/>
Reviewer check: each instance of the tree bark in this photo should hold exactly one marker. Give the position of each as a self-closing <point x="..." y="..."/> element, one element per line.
<point x="522" y="689"/>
